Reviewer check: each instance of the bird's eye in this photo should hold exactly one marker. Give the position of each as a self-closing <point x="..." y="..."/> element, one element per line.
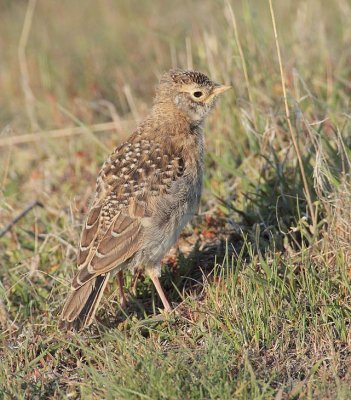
<point x="197" y="94"/>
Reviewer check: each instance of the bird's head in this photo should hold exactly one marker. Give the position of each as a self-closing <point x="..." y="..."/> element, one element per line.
<point x="191" y="92"/>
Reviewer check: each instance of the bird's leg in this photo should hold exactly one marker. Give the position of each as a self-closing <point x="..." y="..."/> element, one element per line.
<point x="123" y="300"/>
<point x="160" y="292"/>
<point x="135" y="282"/>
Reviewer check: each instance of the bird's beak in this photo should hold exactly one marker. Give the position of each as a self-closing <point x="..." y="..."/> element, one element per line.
<point x="216" y="91"/>
<point x="220" y="89"/>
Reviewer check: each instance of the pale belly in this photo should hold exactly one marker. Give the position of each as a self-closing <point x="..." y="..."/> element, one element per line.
<point x="163" y="229"/>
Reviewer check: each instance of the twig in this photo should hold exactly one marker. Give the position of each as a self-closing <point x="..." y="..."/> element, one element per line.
<point x="7" y="166"/>
<point x="56" y="133"/>
<point x="287" y="113"/>
<point x="243" y="63"/>
<point x="19" y="216"/>
<point x="113" y="113"/>
<point x="81" y="124"/>
<point x="28" y="94"/>
<point x="131" y="103"/>
<point x="3" y="314"/>
<point x="189" y="55"/>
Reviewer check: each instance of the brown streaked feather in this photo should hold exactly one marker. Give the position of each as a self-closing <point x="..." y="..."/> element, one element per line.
<point x="121" y="224"/>
<point x="113" y="230"/>
<point x="115" y="239"/>
<point x="98" y="266"/>
<point x="91" y="227"/>
<point x="93" y="216"/>
<point x="88" y="236"/>
<point x="145" y="193"/>
<point x="119" y="254"/>
<point x="113" y="227"/>
<point x="118" y="244"/>
<point x="81" y="305"/>
<point x="87" y="314"/>
<point x="137" y="208"/>
<point x="75" y="302"/>
<point x="82" y="257"/>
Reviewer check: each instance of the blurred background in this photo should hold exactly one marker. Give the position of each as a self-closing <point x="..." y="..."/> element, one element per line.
<point x="80" y="53"/>
<point x="75" y="79"/>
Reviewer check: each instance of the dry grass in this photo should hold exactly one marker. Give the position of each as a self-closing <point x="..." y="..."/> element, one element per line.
<point x="261" y="280"/>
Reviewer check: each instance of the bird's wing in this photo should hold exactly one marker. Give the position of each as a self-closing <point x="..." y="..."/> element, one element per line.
<point x="113" y="231"/>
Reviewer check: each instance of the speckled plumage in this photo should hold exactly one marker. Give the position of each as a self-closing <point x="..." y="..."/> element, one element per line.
<point x="146" y="192"/>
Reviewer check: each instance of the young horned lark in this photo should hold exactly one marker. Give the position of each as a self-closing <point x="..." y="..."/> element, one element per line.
<point x="146" y="192"/>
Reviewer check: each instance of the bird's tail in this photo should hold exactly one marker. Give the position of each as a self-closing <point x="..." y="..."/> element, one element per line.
<point x="81" y="304"/>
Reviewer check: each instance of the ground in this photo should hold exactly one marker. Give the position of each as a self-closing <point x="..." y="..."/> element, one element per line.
<point x="260" y="279"/>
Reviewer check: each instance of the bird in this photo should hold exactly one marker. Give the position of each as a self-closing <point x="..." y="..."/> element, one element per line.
<point x="146" y="192"/>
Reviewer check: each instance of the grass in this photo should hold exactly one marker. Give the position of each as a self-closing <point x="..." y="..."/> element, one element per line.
<point x="260" y="281"/>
